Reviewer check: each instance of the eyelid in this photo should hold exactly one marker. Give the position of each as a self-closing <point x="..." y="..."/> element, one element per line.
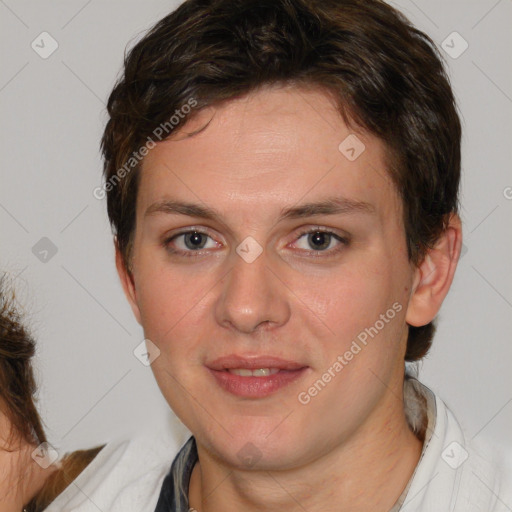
<point x="344" y="240"/>
<point x="168" y="238"/>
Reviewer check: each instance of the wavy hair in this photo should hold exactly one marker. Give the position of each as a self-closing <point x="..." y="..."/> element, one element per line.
<point x="18" y="399"/>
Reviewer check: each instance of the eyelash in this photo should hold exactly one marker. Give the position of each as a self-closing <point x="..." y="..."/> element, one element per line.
<point x="316" y="254"/>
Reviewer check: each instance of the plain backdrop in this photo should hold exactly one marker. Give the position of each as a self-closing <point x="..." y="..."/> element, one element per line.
<point x="92" y="387"/>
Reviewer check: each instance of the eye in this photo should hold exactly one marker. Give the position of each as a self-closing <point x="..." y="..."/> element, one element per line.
<point x="322" y="241"/>
<point x="192" y="242"/>
<point x="188" y="242"/>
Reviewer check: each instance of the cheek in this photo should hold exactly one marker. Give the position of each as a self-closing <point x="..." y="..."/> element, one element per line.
<point x="173" y="304"/>
<point x="163" y="298"/>
<point x="347" y="302"/>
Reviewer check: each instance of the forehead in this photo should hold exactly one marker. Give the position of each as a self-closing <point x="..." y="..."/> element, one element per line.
<point x="273" y="147"/>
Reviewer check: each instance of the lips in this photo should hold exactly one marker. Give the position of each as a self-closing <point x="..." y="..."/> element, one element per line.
<point x="254" y="376"/>
<point x="253" y="363"/>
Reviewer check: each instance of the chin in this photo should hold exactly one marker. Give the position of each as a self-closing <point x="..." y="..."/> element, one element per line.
<point x="252" y="445"/>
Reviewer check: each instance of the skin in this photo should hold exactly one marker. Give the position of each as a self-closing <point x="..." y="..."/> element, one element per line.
<point x="20" y="476"/>
<point x="350" y="447"/>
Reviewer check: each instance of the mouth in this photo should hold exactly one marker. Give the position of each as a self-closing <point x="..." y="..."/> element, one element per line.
<point x="260" y="372"/>
<point x="254" y="377"/>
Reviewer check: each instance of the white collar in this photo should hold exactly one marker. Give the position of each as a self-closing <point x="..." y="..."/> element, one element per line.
<point x="452" y="475"/>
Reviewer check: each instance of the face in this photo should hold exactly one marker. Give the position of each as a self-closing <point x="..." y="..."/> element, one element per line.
<point x="318" y="294"/>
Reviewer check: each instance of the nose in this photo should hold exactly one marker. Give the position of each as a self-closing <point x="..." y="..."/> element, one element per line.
<point x="252" y="296"/>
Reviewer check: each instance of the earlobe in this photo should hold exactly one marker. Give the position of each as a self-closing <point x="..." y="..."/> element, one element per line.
<point x="127" y="282"/>
<point x="434" y="276"/>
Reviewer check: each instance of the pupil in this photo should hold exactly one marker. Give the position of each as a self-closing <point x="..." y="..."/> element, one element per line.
<point x="195" y="239"/>
<point x="320" y="240"/>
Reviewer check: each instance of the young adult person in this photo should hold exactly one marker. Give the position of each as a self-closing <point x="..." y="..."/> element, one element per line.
<point x="282" y="179"/>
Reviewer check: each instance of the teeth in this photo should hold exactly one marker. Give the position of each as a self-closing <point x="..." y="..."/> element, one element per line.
<point x="260" y="372"/>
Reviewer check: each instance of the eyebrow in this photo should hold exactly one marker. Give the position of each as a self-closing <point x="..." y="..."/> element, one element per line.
<point x="329" y="206"/>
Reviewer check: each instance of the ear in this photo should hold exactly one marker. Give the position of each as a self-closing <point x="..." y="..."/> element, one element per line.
<point x="128" y="283"/>
<point x="434" y="276"/>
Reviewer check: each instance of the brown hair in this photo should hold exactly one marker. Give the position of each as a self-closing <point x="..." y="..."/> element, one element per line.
<point x="71" y="466"/>
<point x="386" y="76"/>
<point x="17" y="383"/>
<point x="17" y="399"/>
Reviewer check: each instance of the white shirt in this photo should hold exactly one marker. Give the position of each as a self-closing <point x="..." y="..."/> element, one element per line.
<point x="451" y="476"/>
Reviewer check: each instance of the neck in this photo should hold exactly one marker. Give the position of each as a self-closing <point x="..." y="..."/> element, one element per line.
<point x="368" y="472"/>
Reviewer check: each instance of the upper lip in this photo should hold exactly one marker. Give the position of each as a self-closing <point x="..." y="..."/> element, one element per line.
<point x="253" y="363"/>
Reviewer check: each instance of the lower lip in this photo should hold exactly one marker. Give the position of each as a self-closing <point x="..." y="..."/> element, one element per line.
<point x="256" y="387"/>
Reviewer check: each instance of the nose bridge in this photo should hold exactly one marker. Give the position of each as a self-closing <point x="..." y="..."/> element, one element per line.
<point x="251" y="293"/>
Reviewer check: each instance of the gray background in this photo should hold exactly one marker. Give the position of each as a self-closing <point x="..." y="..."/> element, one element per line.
<point x="92" y="388"/>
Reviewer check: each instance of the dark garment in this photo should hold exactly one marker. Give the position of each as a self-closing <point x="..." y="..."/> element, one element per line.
<point x="174" y="493"/>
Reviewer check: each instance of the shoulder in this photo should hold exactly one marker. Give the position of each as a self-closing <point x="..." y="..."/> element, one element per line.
<point x="482" y="472"/>
<point x="125" y="475"/>
<point x="458" y="474"/>
<point x="486" y="479"/>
